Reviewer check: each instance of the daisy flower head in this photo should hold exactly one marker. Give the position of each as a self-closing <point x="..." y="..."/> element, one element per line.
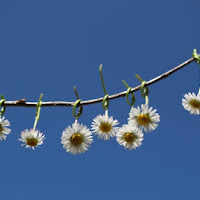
<point x="31" y="138"/>
<point x="76" y="138"/>
<point x="144" y="118"/>
<point x="129" y="136"/>
<point x="103" y="126"/>
<point x="191" y="102"/>
<point x="4" y="131"/>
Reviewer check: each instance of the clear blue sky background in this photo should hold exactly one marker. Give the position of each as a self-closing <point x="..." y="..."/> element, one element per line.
<point x="48" y="46"/>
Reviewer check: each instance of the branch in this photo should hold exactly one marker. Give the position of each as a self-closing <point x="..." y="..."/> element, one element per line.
<point x="23" y="103"/>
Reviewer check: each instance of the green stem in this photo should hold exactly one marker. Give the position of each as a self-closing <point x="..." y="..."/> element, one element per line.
<point x="196" y="56"/>
<point x="139" y="78"/>
<point x="144" y="89"/>
<point x="35" y="123"/>
<point x="37" y="116"/>
<point x="77" y="104"/>
<point x="124" y="82"/>
<point x="198" y="92"/>
<point x="106" y="112"/>
<point x="102" y="81"/>
<point x="76" y="92"/>
<point x="74" y="109"/>
<point x="146" y="100"/>
<point x="2" y="111"/>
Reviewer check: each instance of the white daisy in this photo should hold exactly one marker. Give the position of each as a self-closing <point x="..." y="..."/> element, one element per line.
<point x="76" y="139"/>
<point x="4" y="131"/>
<point x="192" y="103"/>
<point x="31" y="138"/>
<point x="103" y="126"/>
<point x="145" y="118"/>
<point x="129" y="136"/>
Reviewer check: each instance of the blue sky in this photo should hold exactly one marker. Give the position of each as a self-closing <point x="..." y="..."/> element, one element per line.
<point x="48" y="46"/>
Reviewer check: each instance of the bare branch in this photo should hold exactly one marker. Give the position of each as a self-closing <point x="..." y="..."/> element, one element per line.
<point x="23" y="103"/>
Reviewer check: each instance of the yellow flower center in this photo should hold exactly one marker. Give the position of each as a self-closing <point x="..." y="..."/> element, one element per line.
<point x="32" y="142"/>
<point x="143" y="119"/>
<point x="1" y="129"/>
<point x="195" y="103"/>
<point x="76" y="139"/>
<point x="105" y="127"/>
<point x="129" y="137"/>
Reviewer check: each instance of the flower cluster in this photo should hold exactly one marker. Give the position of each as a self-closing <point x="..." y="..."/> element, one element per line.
<point x="140" y="119"/>
<point x="78" y="138"/>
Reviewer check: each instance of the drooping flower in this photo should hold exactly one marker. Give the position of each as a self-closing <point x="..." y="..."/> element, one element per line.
<point x="4" y="131"/>
<point x="76" y="138"/>
<point x="31" y="138"/>
<point x="145" y="118"/>
<point x="191" y="103"/>
<point x="129" y="136"/>
<point x="103" y="126"/>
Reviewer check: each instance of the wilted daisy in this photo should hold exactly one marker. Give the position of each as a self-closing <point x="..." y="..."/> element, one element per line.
<point x="145" y="118"/>
<point x="103" y="126"/>
<point x="76" y="138"/>
<point x="129" y="136"/>
<point x="4" y="131"/>
<point x="31" y="138"/>
<point x="192" y="103"/>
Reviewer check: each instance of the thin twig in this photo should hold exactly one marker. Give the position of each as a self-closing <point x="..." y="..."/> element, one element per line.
<point x="23" y="103"/>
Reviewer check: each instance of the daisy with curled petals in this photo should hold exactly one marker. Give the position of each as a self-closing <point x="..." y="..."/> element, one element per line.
<point x="4" y="131"/>
<point x="76" y="138"/>
<point x="103" y="126"/>
<point x="129" y="136"/>
<point x="191" y="102"/>
<point x="144" y="118"/>
<point x="31" y="138"/>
